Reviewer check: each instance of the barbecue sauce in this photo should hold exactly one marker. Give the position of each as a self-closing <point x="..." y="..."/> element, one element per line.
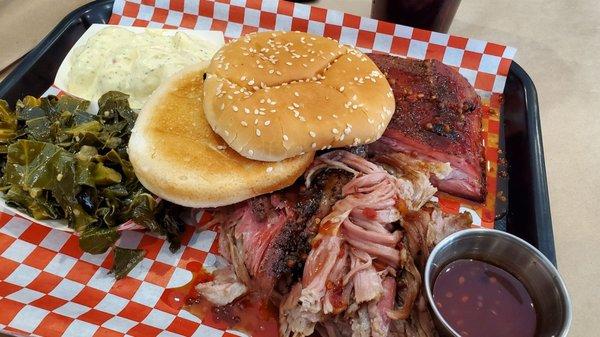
<point x="252" y="313"/>
<point x="479" y="299"/>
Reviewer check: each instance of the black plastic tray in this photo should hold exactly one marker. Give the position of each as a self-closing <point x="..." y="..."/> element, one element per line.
<point x="526" y="211"/>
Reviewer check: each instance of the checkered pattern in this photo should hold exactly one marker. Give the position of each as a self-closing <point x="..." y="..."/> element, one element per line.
<point x="49" y="287"/>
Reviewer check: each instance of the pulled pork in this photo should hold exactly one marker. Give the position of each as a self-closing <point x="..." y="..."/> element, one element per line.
<point x="362" y="239"/>
<point x="341" y="254"/>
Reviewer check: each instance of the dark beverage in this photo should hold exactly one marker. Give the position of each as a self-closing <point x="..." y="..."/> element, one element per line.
<point x="434" y="15"/>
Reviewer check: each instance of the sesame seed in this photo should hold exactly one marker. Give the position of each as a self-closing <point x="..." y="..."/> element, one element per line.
<point x="296" y="105"/>
<point x="334" y="116"/>
<point x="246" y="110"/>
<point x="244" y="123"/>
<point x="256" y="121"/>
<point x="355" y="107"/>
<point x="262" y="101"/>
<point x="271" y="71"/>
<point x="251" y="82"/>
<point x="250" y="152"/>
<point x="235" y="108"/>
<point x="296" y="113"/>
<point x="296" y="94"/>
<point x="285" y="137"/>
<point x="319" y="117"/>
<point x="335" y="131"/>
<point x="243" y="78"/>
<point x="312" y="134"/>
<point x="313" y="145"/>
<point x="289" y="63"/>
<point x="342" y="88"/>
<point x="269" y="169"/>
<point x="222" y="106"/>
<point x="257" y="132"/>
<point x="267" y="123"/>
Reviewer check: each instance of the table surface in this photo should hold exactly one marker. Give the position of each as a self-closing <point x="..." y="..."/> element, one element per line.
<point x="558" y="44"/>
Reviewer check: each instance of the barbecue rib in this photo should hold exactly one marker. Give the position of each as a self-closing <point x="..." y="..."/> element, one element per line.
<point x="437" y="119"/>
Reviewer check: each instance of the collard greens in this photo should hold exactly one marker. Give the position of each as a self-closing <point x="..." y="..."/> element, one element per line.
<point x="60" y="162"/>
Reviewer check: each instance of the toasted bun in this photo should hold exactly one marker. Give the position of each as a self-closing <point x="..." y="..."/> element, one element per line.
<point x="275" y="95"/>
<point x="177" y="156"/>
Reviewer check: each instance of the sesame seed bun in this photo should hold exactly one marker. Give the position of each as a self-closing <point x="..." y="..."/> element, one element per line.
<point x="276" y="95"/>
<point x="177" y="156"/>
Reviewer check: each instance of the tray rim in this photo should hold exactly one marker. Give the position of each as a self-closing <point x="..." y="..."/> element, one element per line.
<point x="541" y="196"/>
<point x="46" y="43"/>
<point x="543" y="220"/>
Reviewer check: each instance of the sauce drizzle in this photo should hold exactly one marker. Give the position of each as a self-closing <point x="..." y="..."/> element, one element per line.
<point x="252" y="313"/>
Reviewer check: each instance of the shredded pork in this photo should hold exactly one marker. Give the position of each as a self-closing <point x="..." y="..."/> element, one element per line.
<point x="223" y="289"/>
<point x="361" y="274"/>
<point x="363" y="225"/>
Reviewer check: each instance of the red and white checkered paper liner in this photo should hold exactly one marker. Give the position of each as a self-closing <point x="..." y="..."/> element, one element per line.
<point x="49" y="287"/>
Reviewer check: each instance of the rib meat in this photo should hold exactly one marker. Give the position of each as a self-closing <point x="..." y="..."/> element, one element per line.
<point x="438" y="119"/>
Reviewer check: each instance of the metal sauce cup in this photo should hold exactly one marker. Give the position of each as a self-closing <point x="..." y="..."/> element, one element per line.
<point x="519" y="258"/>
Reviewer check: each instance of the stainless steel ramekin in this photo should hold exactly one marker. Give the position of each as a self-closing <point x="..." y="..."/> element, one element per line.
<point x="529" y="265"/>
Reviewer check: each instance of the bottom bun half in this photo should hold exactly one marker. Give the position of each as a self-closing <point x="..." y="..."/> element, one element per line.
<point x="177" y="156"/>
